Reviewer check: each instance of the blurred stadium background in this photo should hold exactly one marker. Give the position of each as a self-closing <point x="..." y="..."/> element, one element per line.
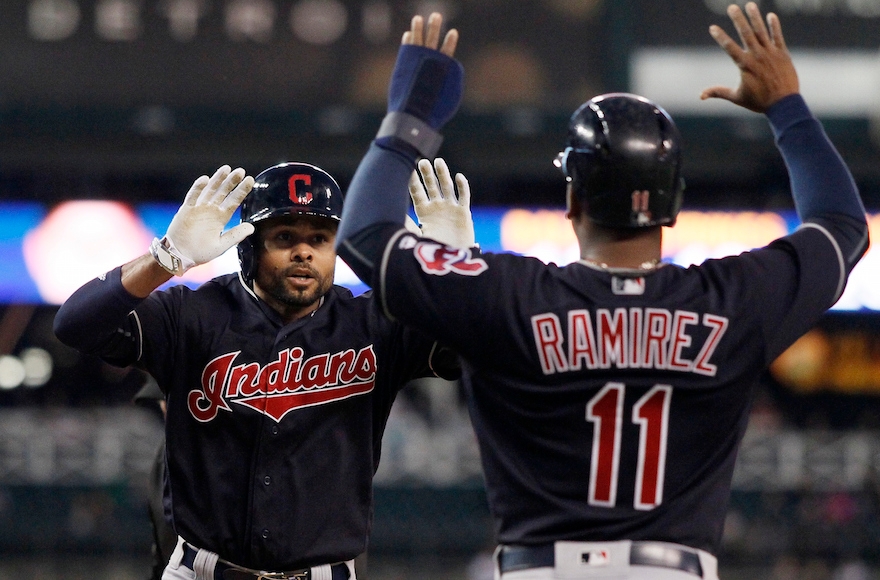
<point x="109" y="109"/>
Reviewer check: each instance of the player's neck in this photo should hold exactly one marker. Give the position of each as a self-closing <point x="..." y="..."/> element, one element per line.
<point x="639" y="249"/>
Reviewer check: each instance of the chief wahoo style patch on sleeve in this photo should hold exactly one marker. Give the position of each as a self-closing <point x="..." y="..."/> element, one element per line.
<point x="438" y="260"/>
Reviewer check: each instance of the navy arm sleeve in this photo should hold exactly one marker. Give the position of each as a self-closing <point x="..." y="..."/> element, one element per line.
<point x="377" y="198"/>
<point x="95" y="320"/>
<point x="823" y="189"/>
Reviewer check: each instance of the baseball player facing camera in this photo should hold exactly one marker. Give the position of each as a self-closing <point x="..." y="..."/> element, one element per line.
<point x="609" y="396"/>
<point x="278" y="383"/>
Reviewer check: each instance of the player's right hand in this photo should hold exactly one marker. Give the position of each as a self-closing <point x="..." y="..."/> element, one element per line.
<point x="196" y="231"/>
<point x="433" y="96"/>
<point x="767" y="73"/>
<point x="443" y="215"/>
<point x="431" y="38"/>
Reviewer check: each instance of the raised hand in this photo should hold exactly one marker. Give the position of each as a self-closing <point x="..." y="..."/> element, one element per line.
<point x="767" y="73"/>
<point x="425" y="90"/>
<point x="195" y="234"/>
<point x="415" y="35"/>
<point x="443" y="215"/>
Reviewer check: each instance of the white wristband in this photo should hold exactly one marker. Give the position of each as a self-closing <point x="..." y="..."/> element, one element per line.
<point x="168" y="257"/>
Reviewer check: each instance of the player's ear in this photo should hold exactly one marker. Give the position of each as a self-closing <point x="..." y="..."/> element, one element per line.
<point x="573" y="206"/>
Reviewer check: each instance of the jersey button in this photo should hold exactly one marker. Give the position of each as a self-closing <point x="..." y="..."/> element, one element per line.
<point x="267" y="480"/>
<point x="265" y="534"/>
<point x="274" y="429"/>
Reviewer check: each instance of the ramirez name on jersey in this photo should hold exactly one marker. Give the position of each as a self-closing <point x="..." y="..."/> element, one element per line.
<point x="636" y="337"/>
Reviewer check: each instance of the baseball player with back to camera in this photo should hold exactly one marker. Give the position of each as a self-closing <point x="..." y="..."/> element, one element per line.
<point x="609" y="396"/>
<point x="278" y="383"/>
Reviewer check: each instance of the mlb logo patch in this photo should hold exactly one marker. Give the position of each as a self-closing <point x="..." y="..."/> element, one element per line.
<point x="582" y="560"/>
<point x="627" y="286"/>
<point x="596" y="558"/>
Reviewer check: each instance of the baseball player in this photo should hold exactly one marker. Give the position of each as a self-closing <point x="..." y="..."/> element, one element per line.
<point x="278" y="383"/>
<point x="609" y="396"/>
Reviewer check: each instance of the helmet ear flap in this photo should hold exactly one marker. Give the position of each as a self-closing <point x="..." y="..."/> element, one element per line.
<point x="246" y="258"/>
<point x="580" y="165"/>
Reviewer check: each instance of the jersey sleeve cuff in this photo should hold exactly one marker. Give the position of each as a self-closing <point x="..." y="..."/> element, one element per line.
<point x="120" y="295"/>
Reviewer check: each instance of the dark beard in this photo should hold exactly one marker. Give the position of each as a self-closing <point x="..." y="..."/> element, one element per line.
<point x="278" y="290"/>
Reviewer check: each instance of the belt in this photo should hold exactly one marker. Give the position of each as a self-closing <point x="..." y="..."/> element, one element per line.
<point x="657" y="554"/>
<point x="225" y="571"/>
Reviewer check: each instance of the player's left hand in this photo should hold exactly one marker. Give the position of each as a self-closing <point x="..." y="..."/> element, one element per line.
<point x="443" y="215"/>
<point x="767" y="73"/>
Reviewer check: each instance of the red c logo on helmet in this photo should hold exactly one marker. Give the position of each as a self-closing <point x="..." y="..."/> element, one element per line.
<point x="305" y="197"/>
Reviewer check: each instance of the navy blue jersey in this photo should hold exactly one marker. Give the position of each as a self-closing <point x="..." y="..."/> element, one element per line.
<point x="273" y="431"/>
<point x="608" y="404"/>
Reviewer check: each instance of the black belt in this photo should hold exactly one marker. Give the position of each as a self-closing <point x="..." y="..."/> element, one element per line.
<point x="224" y="571"/>
<point x="658" y="554"/>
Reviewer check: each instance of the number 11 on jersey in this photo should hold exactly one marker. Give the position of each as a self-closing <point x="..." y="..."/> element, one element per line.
<point x="651" y="415"/>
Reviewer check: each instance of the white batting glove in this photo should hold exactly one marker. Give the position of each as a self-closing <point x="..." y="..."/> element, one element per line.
<point x="411" y="226"/>
<point x="443" y="215"/>
<point x="195" y="235"/>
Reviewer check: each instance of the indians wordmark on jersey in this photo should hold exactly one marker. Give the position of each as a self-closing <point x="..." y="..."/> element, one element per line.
<point x="633" y="337"/>
<point x="289" y="382"/>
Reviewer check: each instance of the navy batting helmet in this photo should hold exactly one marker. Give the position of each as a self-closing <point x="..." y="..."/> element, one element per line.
<point x="287" y="189"/>
<point x="623" y="159"/>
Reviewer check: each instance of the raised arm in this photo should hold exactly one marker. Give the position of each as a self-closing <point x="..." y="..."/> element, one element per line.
<point x="425" y="93"/>
<point x="824" y="192"/>
<point x="195" y="235"/>
<point x="96" y="313"/>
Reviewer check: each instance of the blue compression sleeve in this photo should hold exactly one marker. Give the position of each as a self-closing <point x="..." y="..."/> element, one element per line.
<point x="378" y="194"/>
<point x="821" y="183"/>
<point x="94" y="318"/>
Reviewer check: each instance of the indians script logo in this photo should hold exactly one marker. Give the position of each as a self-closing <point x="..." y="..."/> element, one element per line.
<point x="302" y="197"/>
<point x="284" y="385"/>
<point x="440" y="260"/>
